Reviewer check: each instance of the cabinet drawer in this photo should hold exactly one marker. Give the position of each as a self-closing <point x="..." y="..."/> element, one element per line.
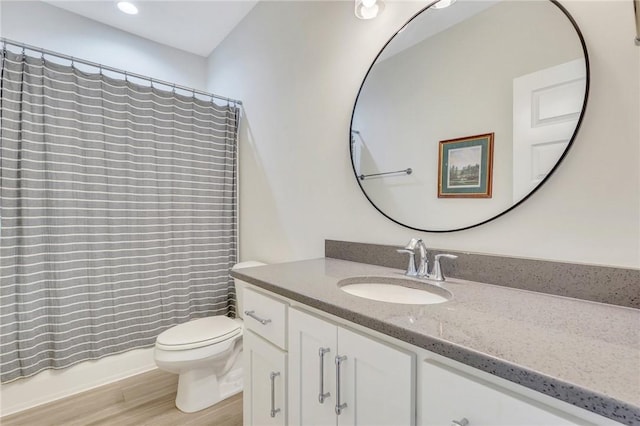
<point x="266" y="317"/>
<point x="449" y="395"/>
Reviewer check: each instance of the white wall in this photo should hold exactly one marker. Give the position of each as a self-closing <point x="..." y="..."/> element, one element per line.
<point x="42" y="25"/>
<point x="298" y="66"/>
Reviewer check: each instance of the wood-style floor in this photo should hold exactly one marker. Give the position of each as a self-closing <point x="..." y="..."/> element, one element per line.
<point x="146" y="399"/>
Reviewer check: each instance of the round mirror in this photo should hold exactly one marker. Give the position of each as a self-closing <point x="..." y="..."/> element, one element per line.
<point x="467" y="110"/>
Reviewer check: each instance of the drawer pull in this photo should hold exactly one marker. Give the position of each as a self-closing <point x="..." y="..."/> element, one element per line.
<point x="253" y="315"/>
<point x="462" y="422"/>
<point x="339" y="406"/>
<point x="272" y="377"/>
<point x="322" y="394"/>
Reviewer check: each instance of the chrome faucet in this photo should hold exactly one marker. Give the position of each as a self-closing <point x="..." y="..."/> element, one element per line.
<point x="423" y="265"/>
<point x="422" y="271"/>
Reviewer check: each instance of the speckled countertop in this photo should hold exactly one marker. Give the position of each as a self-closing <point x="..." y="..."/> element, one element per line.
<point x="584" y="353"/>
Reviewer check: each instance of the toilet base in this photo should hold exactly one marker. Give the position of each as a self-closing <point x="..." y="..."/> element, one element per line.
<point x="201" y="388"/>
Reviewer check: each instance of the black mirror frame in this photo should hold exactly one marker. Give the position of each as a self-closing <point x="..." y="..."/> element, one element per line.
<point x="575" y="133"/>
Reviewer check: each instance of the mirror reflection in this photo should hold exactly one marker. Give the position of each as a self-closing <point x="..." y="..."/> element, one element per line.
<point x="515" y="70"/>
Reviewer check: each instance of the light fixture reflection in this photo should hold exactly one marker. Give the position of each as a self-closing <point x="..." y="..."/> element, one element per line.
<point x="368" y="9"/>
<point x="127" y="7"/>
<point x="443" y="3"/>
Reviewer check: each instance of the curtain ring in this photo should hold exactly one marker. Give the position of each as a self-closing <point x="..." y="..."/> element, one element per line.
<point x="42" y="57"/>
<point x="151" y="80"/>
<point x="193" y="92"/>
<point x="173" y="88"/>
<point x="126" y="77"/>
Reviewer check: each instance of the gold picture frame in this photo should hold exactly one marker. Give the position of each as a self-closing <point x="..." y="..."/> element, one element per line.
<point x="465" y="167"/>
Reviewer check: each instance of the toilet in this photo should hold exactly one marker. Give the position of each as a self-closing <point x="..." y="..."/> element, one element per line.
<point x="207" y="355"/>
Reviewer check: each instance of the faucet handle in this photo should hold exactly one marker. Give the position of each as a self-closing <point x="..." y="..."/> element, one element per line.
<point x="437" y="274"/>
<point x="411" y="245"/>
<point x="411" y="267"/>
<point x="446" y="255"/>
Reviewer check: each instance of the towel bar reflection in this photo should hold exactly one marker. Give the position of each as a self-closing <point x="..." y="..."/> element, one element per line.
<point x="407" y="171"/>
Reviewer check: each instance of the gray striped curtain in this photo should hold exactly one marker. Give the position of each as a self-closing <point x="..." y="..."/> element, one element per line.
<point x="118" y="214"/>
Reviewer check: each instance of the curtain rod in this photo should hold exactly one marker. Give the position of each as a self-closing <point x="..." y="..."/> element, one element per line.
<point x="24" y="46"/>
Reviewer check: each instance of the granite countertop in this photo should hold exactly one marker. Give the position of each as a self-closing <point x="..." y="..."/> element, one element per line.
<point x="584" y="353"/>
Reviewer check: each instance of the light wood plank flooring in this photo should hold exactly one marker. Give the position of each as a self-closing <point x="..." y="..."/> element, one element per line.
<point x="145" y="399"/>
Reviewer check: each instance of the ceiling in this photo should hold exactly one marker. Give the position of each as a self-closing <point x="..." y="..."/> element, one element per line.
<point x="193" y="26"/>
<point x="432" y="22"/>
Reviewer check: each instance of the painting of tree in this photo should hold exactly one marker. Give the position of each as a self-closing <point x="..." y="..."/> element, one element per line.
<point x="464" y="167"/>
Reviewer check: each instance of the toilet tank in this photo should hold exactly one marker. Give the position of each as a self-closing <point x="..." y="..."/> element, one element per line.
<point x="239" y="285"/>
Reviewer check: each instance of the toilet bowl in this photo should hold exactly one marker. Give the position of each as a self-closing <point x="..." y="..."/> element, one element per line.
<point x="206" y="353"/>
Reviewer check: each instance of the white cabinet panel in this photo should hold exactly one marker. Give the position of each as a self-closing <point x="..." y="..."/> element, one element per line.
<point x="307" y="336"/>
<point x="377" y="382"/>
<point x="265" y="367"/>
<point x="449" y="395"/>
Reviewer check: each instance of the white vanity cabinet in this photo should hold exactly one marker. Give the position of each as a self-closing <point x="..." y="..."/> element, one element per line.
<point x="264" y="360"/>
<point x="338" y="377"/>
<point x="452" y="397"/>
<point x="300" y="364"/>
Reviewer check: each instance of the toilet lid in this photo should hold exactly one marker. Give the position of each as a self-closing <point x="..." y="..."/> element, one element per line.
<point x="199" y="332"/>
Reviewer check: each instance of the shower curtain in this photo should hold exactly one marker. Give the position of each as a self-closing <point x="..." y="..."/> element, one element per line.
<point x="118" y="215"/>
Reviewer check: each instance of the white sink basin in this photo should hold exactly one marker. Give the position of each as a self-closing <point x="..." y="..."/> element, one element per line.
<point x="395" y="290"/>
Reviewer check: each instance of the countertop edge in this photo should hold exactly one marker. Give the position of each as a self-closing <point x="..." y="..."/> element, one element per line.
<point x="578" y="396"/>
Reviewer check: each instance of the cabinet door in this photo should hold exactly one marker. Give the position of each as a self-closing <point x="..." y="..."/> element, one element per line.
<point x="312" y="349"/>
<point x="449" y="395"/>
<point x="376" y="382"/>
<point x="265" y="382"/>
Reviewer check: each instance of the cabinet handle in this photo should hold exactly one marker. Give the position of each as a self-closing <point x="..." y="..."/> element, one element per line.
<point x="322" y="394"/>
<point x="462" y="422"/>
<point x="274" y="410"/>
<point x="339" y="407"/>
<point x="253" y="315"/>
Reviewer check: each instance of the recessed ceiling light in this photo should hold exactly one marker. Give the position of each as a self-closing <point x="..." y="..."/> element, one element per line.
<point x="127" y="7"/>
<point x="368" y="9"/>
<point x="443" y="3"/>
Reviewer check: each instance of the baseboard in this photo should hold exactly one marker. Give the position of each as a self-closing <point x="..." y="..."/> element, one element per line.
<point x="51" y="385"/>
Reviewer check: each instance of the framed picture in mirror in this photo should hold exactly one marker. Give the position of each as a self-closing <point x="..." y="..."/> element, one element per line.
<point x="465" y="167"/>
